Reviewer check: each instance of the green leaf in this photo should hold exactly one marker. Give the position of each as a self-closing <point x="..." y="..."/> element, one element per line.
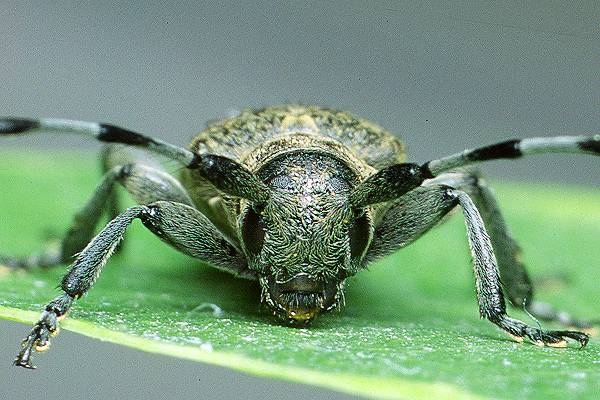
<point x="410" y="328"/>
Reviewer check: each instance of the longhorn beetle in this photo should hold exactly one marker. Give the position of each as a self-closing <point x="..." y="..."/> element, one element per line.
<point x="298" y="198"/>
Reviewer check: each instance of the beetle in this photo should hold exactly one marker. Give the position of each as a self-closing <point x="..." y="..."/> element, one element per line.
<point x="299" y="198"/>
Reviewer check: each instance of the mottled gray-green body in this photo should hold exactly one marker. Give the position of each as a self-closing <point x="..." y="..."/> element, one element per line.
<point x="254" y="138"/>
<point x="312" y="157"/>
<point x="300" y="199"/>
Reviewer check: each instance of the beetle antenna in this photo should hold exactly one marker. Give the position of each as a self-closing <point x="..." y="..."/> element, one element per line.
<point x="394" y="181"/>
<point x="226" y="174"/>
<point x="517" y="148"/>
<point x="103" y="132"/>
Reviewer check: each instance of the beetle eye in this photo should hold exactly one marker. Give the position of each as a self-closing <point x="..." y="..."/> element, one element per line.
<point x="359" y="235"/>
<point x="253" y="232"/>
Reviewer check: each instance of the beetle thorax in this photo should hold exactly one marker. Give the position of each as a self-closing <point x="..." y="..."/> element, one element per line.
<point x="298" y="243"/>
<point x="306" y="219"/>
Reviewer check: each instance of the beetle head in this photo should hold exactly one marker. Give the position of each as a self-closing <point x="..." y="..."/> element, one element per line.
<point x="306" y="239"/>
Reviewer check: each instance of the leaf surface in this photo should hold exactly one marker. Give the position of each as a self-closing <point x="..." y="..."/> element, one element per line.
<point x="410" y="328"/>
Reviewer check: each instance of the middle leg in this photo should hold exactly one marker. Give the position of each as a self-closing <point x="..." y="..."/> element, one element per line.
<point x="137" y="174"/>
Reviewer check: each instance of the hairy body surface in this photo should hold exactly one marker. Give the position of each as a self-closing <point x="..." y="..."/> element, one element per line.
<point x="298" y="198"/>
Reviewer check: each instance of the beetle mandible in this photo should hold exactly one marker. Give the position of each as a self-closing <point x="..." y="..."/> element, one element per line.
<point x="298" y="198"/>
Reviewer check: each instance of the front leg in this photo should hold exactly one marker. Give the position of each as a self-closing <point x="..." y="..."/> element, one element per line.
<point x="77" y="282"/>
<point x="489" y="290"/>
<point x="179" y="225"/>
<point x="191" y="232"/>
<point x="409" y="217"/>
<point x="515" y="280"/>
<point x="413" y="214"/>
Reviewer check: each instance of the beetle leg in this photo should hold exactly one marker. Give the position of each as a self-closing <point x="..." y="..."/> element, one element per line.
<point x="412" y="215"/>
<point x="191" y="232"/>
<point x="508" y="253"/>
<point x="179" y="225"/>
<point x="144" y="183"/>
<point x="47" y="325"/>
<point x="76" y="282"/>
<point x="489" y="289"/>
<point x="408" y="218"/>
<point x="513" y="274"/>
<point x="79" y="233"/>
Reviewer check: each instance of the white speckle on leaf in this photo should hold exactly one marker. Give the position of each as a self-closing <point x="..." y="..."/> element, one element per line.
<point x="402" y="369"/>
<point x="206" y="346"/>
<point x="213" y="308"/>
<point x="39" y="284"/>
<point x="578" y="375"/>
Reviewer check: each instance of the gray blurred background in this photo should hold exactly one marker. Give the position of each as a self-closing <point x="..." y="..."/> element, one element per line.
<point x="443" y="75"/>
